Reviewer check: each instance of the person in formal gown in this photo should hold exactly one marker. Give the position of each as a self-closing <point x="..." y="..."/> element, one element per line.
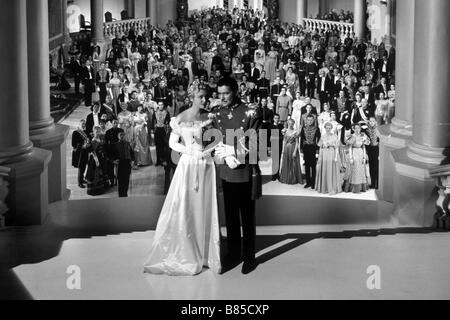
<point x="97" y="167"/>
<point x="187" y="236"/>
<point x="143" y="155"/>
<point x="360" y="175"/>
<point x="290" y="171"/>
<point x="328" y="178"/>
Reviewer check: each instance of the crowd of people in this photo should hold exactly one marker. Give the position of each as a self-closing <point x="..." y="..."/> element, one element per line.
<point x="325" y="96"/>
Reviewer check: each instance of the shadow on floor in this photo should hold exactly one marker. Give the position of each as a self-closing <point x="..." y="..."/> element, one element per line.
<point x="265" y="241"/>
<point x="27" y="246"/>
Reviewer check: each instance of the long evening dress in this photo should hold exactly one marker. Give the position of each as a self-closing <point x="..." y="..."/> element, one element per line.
<point x="187" y="236"/>
<point x="290" y="171"/>
<point x="328" y="176"/>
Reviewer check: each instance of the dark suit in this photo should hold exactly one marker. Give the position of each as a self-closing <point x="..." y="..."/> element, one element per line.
<point x="76" y="68"/>
<point x="111" y="138"/>
<point x="276" y="140"/>
<point x="90" y="122"/>
<point x="80" y="154"/>
<point x="324" y="89"/>
<point x="102" y="79"/>
<point x="88" y="79"/>
<point x="239" y="184"/>
<point x="254" y="75"/>
<point x="124" y="153"/>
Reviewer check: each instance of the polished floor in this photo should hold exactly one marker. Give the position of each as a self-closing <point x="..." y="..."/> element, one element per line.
<point x="296" y="262"/>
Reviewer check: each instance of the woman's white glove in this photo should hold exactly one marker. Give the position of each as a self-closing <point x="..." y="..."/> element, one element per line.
<point x="232" y="162"/>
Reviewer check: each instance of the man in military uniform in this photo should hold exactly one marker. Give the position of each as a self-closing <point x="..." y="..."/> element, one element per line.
<point x="263" y="85"/>
<point x="302" y="76"/>
<point x="238" y="175"/>
<point x="161" y="120"/>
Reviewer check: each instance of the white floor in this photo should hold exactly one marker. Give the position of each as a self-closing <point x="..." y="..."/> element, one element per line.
<point x="323" y="262"/>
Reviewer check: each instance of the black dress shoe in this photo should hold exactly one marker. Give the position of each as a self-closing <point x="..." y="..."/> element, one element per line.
<point x="307" y="186"/>
<point x="82" y="186"/>
<point x="249" y="266"/>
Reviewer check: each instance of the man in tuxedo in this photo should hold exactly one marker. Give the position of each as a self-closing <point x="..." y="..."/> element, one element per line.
<point x="275" y="89"/>
<point x="123" y="99"/>
<point x="324" y="88"/>
<point x="124" y="159"/>
<point x="239" y="179"/>
<point x="76" y="71"/>
<point x="111" y="138"/>
<point x="93" y="119"/>
<point x="88" y="79"/>
<point x="254" y="73"/>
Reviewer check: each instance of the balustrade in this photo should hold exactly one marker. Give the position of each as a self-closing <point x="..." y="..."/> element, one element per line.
<point x="110" y="29"/>
<point x="345" y="29"/>
<point x="441" y="175"/>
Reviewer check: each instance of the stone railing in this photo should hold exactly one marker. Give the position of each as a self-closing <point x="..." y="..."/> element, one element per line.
<point x="4" y="174"/>
<point x="343" y="28"/>
<point x="110" y="29"/>
<point x="442" y="216"/>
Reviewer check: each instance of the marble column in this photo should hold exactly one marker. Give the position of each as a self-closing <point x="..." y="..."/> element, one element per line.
<point x="302" y="11"/>
<point x="43" y="132"/>
<point x="67" y="38"/>
<point x="151" y="11"/>
<point x="29" y="177"/>
<point x="414" y="196"/>
<point x="396" y="135"/>
<point x="388" y="35"/>
<point x="130" y="7"/>
<point x="97" y="19"/>
<point x="360" y="18"/>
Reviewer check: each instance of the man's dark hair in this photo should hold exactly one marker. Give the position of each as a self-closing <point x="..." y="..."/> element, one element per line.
<point x="228" y="82"/>
<point x="310" y="116"/>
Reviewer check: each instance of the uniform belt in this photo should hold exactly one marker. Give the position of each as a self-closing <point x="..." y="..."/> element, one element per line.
<point x="263" y="87"/>
<point x="312" y="73"/>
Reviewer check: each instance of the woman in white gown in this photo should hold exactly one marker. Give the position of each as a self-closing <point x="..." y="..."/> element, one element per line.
<point x="187" y="236"/>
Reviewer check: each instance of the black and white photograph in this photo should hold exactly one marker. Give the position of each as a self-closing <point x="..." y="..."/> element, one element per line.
<point x="224" y="155"/>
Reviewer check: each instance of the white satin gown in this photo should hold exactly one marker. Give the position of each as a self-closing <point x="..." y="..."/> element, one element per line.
<point x="187" y="236"/>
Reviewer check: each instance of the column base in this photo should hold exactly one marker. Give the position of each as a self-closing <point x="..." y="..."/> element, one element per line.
<point x="392" y="137"/>
<point x="413" y="190"/>
<point x="28" y="190"/>
<point x="54" y="140"/>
